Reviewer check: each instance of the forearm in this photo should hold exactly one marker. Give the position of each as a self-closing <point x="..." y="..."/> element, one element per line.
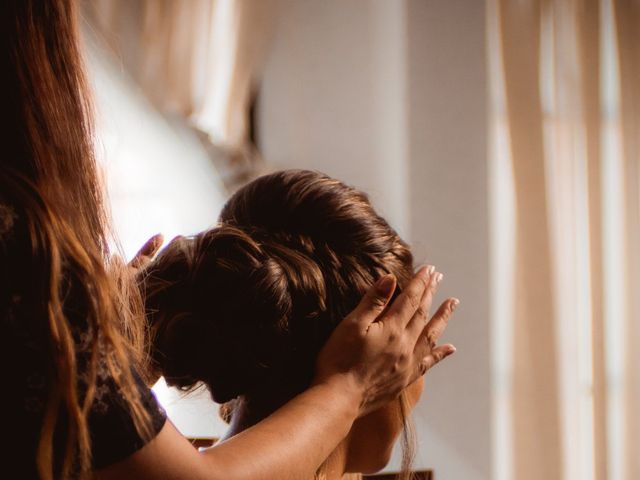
<point x="364" y="364"/>
<point x="293" y="442"/>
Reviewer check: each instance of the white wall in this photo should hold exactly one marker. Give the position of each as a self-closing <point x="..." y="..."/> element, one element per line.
<point x="390" y="96"/>
<point x="332" y="102"/>
<point x="160" y="179"/>
<point x="449" y="218"/>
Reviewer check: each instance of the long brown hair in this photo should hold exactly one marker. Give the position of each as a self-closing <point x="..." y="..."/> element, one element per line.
<point x="246" y="306"/>
<point x="49" y="176"/>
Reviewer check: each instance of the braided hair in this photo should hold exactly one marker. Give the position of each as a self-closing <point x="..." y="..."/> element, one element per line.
<point x="245" y="307"/>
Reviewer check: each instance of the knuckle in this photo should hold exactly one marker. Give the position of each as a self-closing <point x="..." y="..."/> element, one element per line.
<point x="403" y="359"/>
<point x="359" y="333"/>
<point x="431" y="339"/>
<point x="377" y="301"/>
<point x="435" y="282"/>
<point x="425" y="283"/>
<point x="413" y="300"/>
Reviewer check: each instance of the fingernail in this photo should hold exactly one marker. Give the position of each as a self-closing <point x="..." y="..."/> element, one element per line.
<point x="384" y="285"/>
<point x="438" y="278"/>
<point x="451" y="350"/>
<point x="157" y="240"/>
<point x="424" y="271"/>
<point x="454" y="304"/>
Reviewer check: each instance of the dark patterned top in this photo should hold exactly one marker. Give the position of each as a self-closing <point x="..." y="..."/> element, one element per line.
<point x="26" y="365"/>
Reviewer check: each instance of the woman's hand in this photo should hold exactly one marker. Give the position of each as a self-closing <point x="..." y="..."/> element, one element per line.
<point x="372" y="355"/>
<point x="377" y="351"/>
<point x="147" y="252"/>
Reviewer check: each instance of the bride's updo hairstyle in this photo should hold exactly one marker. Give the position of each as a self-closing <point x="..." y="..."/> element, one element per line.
<point x="246" y="306"/>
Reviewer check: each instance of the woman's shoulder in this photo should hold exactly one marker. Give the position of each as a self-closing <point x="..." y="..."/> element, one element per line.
<point x="113" y="431"/>
<point x="111" y="422"/>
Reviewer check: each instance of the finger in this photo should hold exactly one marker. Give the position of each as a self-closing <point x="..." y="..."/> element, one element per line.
<point x="440" y="320"/>
<point x="148" y="250"/>
<point x="409" y="301"/>
<point x="436" y="326"/>
<point x="375" y="300"/>
<point x="421" y="317"/>
<point x="433" y="330"/>
<point x="436" y="356"/>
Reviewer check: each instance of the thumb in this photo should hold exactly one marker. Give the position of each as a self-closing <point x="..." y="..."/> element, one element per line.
<point x="375" y="300"/>
<point x="148" y="250"/>
<point x="151" y="247"/>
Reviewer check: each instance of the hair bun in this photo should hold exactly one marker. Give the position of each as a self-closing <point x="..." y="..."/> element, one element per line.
<point x="246" y="307"/>
<point x="219" y="306"/>
<point x="299" y="203"/>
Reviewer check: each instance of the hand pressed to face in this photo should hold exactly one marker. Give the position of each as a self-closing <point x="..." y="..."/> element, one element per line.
<point x="382" y="350"/>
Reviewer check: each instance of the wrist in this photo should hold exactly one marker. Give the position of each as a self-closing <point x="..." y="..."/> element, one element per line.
<point x="344" y="390"/>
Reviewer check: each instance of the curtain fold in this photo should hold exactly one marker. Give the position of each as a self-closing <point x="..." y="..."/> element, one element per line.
<point x="534" y="397"/>
<point x="627" y="24"/>
<point x="571" y="74"/>
<point x="173" y="40"/>
<point x="588" y="17"/>
<point x="199" y="59"/>
<point x="238" y="45"/>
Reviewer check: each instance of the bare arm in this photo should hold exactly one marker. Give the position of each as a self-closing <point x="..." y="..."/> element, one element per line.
<point x="373" y="354"/>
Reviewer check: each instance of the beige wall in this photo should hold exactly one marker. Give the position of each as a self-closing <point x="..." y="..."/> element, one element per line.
<point x="329" y="98"/>
<point x="448" y="131"/>
<point x="390" y="96"/>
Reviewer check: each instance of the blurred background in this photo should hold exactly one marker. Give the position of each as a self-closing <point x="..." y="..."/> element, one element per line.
<point x="501" y="138"/>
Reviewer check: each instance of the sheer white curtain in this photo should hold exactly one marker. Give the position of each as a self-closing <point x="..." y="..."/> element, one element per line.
<point x="197" y="58"/>
<point x="566" y="208"/>
<point x="627" y="21"/>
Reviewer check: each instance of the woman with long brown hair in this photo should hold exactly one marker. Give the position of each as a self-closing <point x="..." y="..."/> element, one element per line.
<point x="72" y="335"/>
<point x="246" y="306"/>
